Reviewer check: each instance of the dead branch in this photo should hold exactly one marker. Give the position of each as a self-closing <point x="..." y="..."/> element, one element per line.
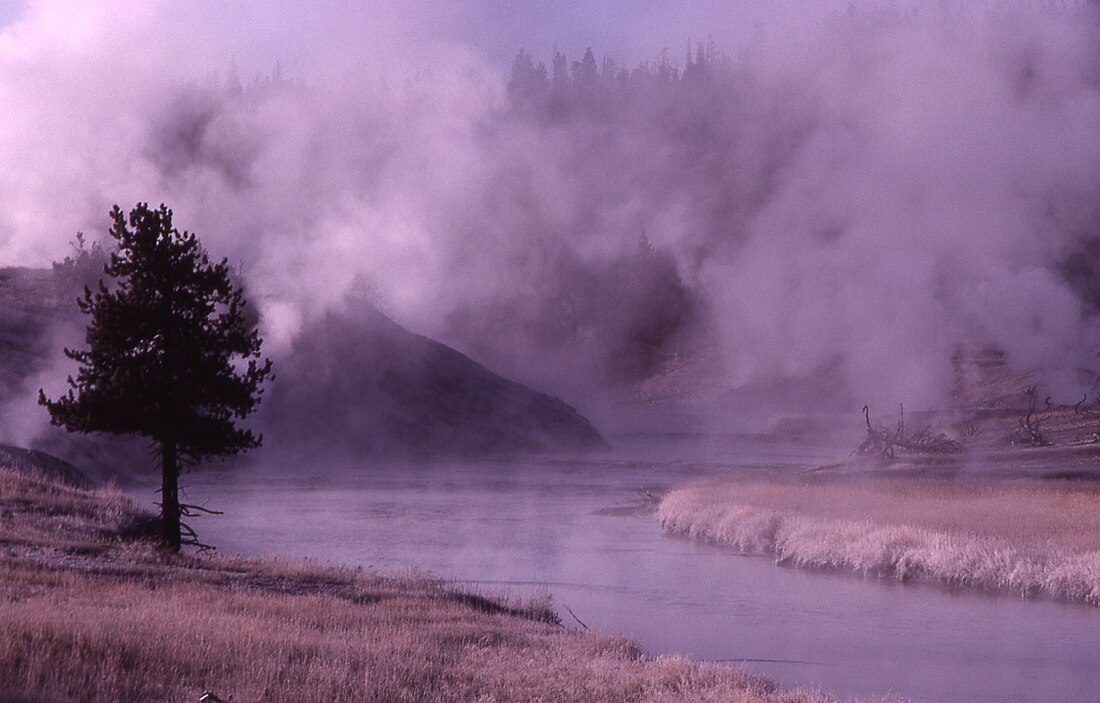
<point x="191" y="510"/>
<point x="879" y="442"/>
<point x="188" y="536"/>
<point x="1084" y="407"/>
<point x="969" y="429"/>
<point x="1079" y="406"/>
<point x="925" y="441"/>
<point x="886" y="444"/>
<point x="1030" y="433"/>
<point x="574" y="616"/>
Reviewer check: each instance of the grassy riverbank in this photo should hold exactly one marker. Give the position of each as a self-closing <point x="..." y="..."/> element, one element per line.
<point x="90" y="611"/>
<point x="1030" y="537"/>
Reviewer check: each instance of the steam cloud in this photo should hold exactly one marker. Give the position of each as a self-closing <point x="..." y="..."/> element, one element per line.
<point x="854" y="194"/>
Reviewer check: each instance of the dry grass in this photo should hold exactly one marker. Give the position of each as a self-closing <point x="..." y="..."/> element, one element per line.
<point x="1029" y="537"/>
<point x="89" y="615"/>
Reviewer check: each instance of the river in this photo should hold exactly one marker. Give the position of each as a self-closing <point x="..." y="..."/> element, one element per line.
<point x="582" y="531"/>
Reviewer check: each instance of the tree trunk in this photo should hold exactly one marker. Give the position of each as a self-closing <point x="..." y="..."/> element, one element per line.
<point x="170" y="497"/>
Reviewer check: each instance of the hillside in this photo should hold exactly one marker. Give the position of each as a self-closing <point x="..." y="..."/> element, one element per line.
<point x="355" y="383"/>
<point x="362" y="383"/>
<point x="30" y="303"/>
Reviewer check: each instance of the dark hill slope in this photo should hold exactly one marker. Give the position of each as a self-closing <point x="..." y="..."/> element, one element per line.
<point x="30" y="304"/>
<point x="354" y="383"/>
<point x="363" y="382"/>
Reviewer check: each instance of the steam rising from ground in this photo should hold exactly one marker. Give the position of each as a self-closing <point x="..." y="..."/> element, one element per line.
<point x="852" y="196"/>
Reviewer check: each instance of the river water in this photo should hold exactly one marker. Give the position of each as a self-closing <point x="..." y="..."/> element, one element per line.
<point x="580" y="531"/>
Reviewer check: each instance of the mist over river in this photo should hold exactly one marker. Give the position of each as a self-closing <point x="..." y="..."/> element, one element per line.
<point x="583" y="530"/>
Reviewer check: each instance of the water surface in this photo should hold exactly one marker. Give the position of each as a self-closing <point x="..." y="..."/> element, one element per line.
<point x="579" y="530"/>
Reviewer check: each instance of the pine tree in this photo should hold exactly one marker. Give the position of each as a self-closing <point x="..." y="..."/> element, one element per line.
<point x="171" y="356"/>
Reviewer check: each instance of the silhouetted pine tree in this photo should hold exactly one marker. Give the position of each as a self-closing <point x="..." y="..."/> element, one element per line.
<point x="171" y="356"/>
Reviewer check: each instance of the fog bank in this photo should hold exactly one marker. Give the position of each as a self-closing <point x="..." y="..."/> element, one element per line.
<point x="834" y="202"/>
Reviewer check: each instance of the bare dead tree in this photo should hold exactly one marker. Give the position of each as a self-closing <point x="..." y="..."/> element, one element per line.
<point x="1029" y="433"/>
<point x="879" y="441"/>
<point x="925" y="441"/>
<point x="886" y="444"/>
<point x="1084" y="407"/>
<point x="969" y="429"/>
<point x="1081" y="406"/>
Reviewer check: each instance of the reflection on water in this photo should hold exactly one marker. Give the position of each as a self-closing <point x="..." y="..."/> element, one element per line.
<point x="580" y="530"/>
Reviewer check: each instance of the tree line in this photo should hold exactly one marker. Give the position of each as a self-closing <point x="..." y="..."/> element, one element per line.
<point x="565" y="87"/>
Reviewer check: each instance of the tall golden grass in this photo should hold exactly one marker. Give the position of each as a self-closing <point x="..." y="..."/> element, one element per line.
<point x="89" y="615"/>
<point x="1029" y="537"/>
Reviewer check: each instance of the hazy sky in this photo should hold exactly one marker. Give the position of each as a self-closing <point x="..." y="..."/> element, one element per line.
<point x="9" y="9"/>
<point x="298" y="33"/>
<point x="868" y="192"/>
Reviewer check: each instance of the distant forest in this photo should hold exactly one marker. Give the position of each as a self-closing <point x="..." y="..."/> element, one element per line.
<point x="566" y="88"/>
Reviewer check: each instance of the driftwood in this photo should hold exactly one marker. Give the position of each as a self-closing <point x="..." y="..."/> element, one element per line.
<point x="581" y="622"/>
<point x="887" y="444"/>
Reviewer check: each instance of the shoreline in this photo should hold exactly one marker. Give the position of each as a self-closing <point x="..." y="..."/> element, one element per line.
<point x="92" y="611"/>
<point x="1035" y="539"/>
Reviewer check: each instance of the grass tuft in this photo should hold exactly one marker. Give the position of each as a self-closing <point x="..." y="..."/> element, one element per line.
<point x="1028" y="537"/>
